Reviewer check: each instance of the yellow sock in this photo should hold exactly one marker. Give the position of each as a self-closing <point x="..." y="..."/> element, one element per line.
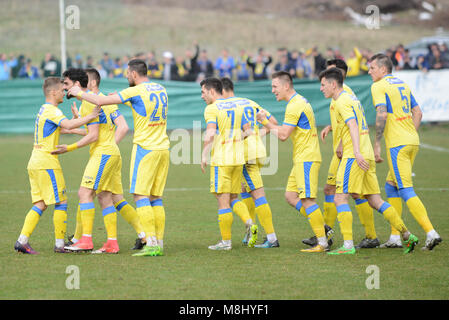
<point x="79" y="225"/>
<point x="60" y="221"/>
<point x="316" y="220"/>
<point x="365" y="213"/>
<point x="263" y="211"/>
<point x="130" y="215"/>
<point x="395" y="200"/>
<point x="146" y="215"/>
<point x="110" y="222"/>
<point x="87" y="217"/>
<point x="416" y="208"/>
<point x="249" y="202"/>
<point x="159" y="218"/>
<point x="31" y="220"/>
<point x="392" y="217"/>
<point x="345" y="220"/>
<point x="225" y="223"/>
<point x="241" y="210"/>
<point x="330" y="211"/>
<point x="301" y="209"/>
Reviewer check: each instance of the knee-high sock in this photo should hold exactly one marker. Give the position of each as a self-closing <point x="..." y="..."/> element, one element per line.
<point x="391" y="215"/>
<point x="263" y="211"/>
<point x="159" y="218"/>
<point x="87" y="217"/>
<point x="146" y="215"/>
<point x="345" y="220"/>
<point x="365" y="213"/>
<point x="241" y="210"/>
<point x="31" y="220"/>
<point x="394" y="198"/>
<point x="79" y="225"/>
<point x="329" y="210"/>
<point x="110" y="222"/>
<point x="225" y="223"/>
<point x="249" y="202"/>
<point x="130" y="215"/>
<point x="416" y="208"/>
<point x="301" y="209"/>
<point x="316" y="220"/>
<point x="60" y="221"/>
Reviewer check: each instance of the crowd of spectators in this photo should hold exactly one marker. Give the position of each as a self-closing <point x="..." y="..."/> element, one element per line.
<point x="196" y="64"/>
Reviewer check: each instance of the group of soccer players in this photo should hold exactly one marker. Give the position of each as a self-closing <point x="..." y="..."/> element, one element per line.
<point x="233" y="142"/>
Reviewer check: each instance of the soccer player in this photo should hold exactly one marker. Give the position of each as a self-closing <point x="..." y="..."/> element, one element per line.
<point x="299" y="124"/>
<point x="398" y="117"/>
<point x="150" y="155"/>
<point x="45" y="173"/>
<point x="364" y="210"/>
<point x="224" y="140"/>
<point x="253" y="194"/>
<point x="102" y="175"/>
<point x="357" y="170"/>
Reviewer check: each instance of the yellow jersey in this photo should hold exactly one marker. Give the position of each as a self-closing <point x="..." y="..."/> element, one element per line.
<point x="299" y="114"/>
<point x="46" y="138"/>
<point x="335" y="138"/>
<point x="348" y="107"/>
<point x="106" y="131"/>
<point x="149" y="103"/>
<point x="227" y="147"/>
<point x="399" y="100"/>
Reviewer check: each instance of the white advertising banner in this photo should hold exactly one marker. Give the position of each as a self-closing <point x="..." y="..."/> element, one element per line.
<point x="431" y="91"/>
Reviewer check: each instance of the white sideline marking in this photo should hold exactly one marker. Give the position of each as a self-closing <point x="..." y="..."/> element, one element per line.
<point x="206" y="189"/>
<point x="436" y="148"/>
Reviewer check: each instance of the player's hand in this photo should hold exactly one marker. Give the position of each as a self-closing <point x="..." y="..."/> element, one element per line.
<point x="95" y="112"/>
<point x="325" y="132"/>
<point x="377" y="156"/>
<point x="75" y="111"/>
<point x="203" y="165"/>
<point x="261" y="116"/>
<point x="361" y="162"/>
<point x="339" y="151"/>
<point x="60" y="149"/>
<point x="73" y="91"/>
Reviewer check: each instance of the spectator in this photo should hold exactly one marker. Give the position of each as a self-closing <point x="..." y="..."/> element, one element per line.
<point x="242" y="66"/>
<point x="354" y="63"/>
<point x="399" y="57"/>
<point x="319" y="61"/>
<point x="407" y="65"/>
<point x="182" y="73"/>
<point x="169" y="70"/>
<point x="206" y="67"/>
<point x="259" y="65"/>
<point x="101" y="71"/>
<point x="107" y="64"/>
<point x="89" y="62"/>
<point x="285" y="65"/>
<point x="436" y="61"/>
<point x="118" y="71"/>
<point x="191" y="63"/>
<point x="78" y="63"/>
<point x="154" y="67"/>
<point x="338" y="54"/>
<point x="5" y="66"/>
<point x="225" y="64"/>
<point x="444" y="50"/>
<point x="330" y="53"/>
<point x="29" y="71"/>
<point x="20" y="63"/>
<point x="303" y="68"/>
<point x="50" y="66"/>
<point x="422" y="63"/>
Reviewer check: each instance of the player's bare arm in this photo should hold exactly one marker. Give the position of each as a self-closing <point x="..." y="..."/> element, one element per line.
<point x="381" y="121"/>
<point x="93" y="98"/>
<point x="282" y="132"/>
<point x="92" y="136"/>
<point x="416" y="116"/>
<point x="76" y="123"/>
<point x="354" y="132"/>
<point x="208" y="140"/>
<point x="122" y="128"/>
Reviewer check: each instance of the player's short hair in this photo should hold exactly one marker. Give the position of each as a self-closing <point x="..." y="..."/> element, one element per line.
<point x="382" y="60"/>
<point x="139" y="66"/>
<point x="283" y="76"/>
<point x="339" y="63"/>
<point x="332" y="74"/>
<point x="77" y="74"/>
<point x="212" y="83"/>
<point x="92" y="72"/>
<point x="51" y="83"/>
<point x="228" y="85"/>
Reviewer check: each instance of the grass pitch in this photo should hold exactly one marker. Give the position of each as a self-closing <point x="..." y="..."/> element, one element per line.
<point x="189" y="270"/>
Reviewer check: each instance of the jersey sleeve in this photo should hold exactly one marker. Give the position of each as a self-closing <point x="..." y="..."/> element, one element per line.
<point x="57" y="116"/>
<point x="127" y="94"/>
<point x="413" y="102"/>
<point x="210" y="114"/>
<point x="378" y="95"/>
<point x="345" y="109"/>
<point x="292" y="114"/>
<point x="115" y="113"/>
<point x="85" y="109"/>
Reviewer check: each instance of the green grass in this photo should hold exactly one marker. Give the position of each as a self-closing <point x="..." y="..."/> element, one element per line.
<point x="189" y="270"/>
